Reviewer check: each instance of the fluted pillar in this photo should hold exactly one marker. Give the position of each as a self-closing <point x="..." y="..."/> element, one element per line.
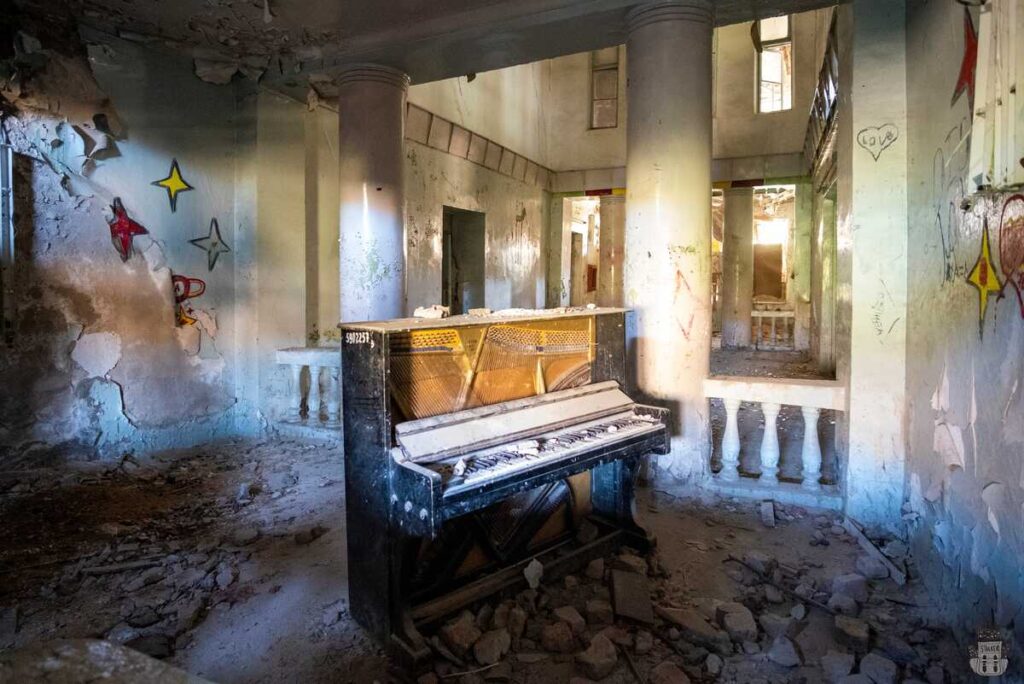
<point x="667" y="266"/>
<point x="737" y="267"/>
<point x="371" y="116"/>
<point x="613" y="233"/>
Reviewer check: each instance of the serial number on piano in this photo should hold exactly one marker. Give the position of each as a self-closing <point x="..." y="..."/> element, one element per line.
<point x="357" y="337"/>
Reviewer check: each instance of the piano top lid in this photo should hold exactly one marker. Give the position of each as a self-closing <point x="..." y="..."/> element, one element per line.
<point x="512" y="316"/>
<point x="457" y="433"/>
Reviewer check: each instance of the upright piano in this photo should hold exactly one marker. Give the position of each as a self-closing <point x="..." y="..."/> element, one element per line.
<point x="476" y="444"/>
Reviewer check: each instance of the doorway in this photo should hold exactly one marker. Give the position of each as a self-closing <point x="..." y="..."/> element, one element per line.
<point x="462" y="262"/>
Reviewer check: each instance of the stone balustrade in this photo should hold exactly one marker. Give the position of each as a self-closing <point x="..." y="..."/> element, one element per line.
<point x="319" y="402"/>
<point x="781" y="329"/>
<point x="761" y="476"/>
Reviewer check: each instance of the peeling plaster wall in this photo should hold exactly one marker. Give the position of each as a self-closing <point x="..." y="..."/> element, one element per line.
<point x="516" y="214"/>
<point x="98" y="365"/>
<point x="965" y="375"/>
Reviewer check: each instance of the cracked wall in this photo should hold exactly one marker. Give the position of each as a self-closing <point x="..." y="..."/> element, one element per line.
<point x="99" y="365"/>
<point x="965" y="369"/>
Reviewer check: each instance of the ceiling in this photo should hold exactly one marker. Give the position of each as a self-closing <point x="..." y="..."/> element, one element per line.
<point x="428" y="39"/>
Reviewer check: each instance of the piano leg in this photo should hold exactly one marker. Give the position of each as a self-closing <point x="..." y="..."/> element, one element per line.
<point x="407" y="644"/>
<point x="613" y="496"/>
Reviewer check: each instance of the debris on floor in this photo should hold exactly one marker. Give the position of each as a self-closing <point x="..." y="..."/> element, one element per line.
<point x="173" y="557"/>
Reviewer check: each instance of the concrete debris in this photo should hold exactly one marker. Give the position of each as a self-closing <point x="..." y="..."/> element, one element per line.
<point x="853" y="585"/>
<point x="852" y="632"/>
<point x="600" y="658"/>
<point x="737" y="620"/>
<point x="557" y="638"/>
<point x="668" y="673"/>
<point x="461" y="633"/>
<point x="490" y="647"/>
<point x="835" y="665"/>
<point x="783" y="652"/>
<point x="244" y="536"/>
<point x="776" y="625"/>
<point x="695" y="628"/>
<point x="879" y="669"/>
<point x="533" y="571"/>
<point x="571" y="617"/>
<point x="841" y="603"/>
<point x="311" y="535"/>
<point x="872" y="568"/>
<point x="630" y="563"/>
<point x="644" y="642"/>
<point x="595" y="569"/>
<point x="432" y="311"/>
<point x="599" y="612"/>
<point x="768" y="513"/>
<point x="631" y="597"/>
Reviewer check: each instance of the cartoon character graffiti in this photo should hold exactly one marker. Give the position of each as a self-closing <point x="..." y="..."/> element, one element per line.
<point x="123" y="230"/>
<point x="1011" y="246"/>
<point x="186" y="288"/>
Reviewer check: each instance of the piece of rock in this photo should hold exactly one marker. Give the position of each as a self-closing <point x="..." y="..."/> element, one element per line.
<point x="595" y="569"/>
<point x="872" y="568"/>
<point x="835" y="665"/>
<point x="226" y="574"/>
<point x="935" y="674"/>
<point x="843" y="604"/>
<point x="798" y="612"/>
<point x="461" y="633"/>
<point x="600" y="658"/>
<point x="713" y="664"/>
<point x="644" y="642"/>
<point x="311" y="535"/>
<point x="244" y="536"/>
<point x="853" y="585"/>
<point x="143" y="617"/>
<point x="630" y="563"/>
<point x="772" y="594"/>
<point x="878" y="668"/>
<point x="632" y="597"/>
<point x="501" y="615"/>
<point x="775" y="625"/>
<point x="557" y="638"/>
<point x="759" y="561"/>
<point x="738" y="621"/>
<point x="570" y="582"/>
<point x="599" y="612"/>
<point x="750" y="647"/>
<point x="618" y="636"/>
<point x="484" y="617"/>
<point x="490" y="647"/>
<point x="516" y="623"/>
<point x="147" y="577"/>
<point x="783" y="652"/>
<point x="768" y="513"/>
<point x="896" y="648"/>
<point x="570" y="616"/>
<point x="533" y="571"/>
<point x="852" y="632"/>
<point x="696" y="629"/>
<point x="668" y="672"/>
<point x="855" y="679"/>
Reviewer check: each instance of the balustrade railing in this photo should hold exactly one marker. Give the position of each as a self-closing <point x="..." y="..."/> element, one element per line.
<point x="771" y="394"/>
<point x="319" y="402"/>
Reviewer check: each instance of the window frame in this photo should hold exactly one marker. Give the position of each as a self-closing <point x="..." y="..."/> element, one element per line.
<point x="760" y="47"/>
<point x="594" y="69"/>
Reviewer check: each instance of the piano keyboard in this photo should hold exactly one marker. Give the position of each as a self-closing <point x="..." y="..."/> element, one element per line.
<point x="465" y="471"/>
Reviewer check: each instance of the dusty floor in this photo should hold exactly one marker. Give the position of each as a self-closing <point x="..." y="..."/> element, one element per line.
<point x="229" y="561"/>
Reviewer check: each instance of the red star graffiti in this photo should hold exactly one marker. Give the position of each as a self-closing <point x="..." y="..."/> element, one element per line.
<point x="123" y="230"/>
<point x="969" y="63"/>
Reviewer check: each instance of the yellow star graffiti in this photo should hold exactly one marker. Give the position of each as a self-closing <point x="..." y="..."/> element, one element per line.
<point x="173" y="184"/>
<point x="984" y="277"/>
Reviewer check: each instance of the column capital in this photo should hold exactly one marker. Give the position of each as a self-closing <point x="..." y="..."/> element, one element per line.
<point x="638" y="16"/>
<point x="376" y="73"/>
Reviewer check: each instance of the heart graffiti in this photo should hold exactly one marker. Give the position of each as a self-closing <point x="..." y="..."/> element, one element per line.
<point x="875" y="139"/>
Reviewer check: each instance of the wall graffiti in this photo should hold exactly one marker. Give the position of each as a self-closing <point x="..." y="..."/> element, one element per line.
<point x="174" y="184"/>
<point x="1011" y="246"/>
<point x="949" y="166"/>
<point x="213" y="244"/>
<point x="123" y="230"/>
<point x="875" y="139"/>
<point x="984" y="277"/>
<point x="186" y="288"/>
<point x="968" y="64"/>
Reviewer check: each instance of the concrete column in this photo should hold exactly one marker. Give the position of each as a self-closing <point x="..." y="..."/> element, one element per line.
<point x="737" y="267"/>
<point x="667" y="265"/>
<point x="798" y="291"/>
<point x="609" y="275"/>
<point x="871" y="268"/>
<point x="371" y="116"/>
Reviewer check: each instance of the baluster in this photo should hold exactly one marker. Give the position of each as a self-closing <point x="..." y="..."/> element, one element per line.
<point x="295" y="405"/>
<point x="770" y="443"/>
<point x="333" y="397"/>
<point x="811" y="453"/>
<point x="775" y="342"/>
<point x="730" y="442"/>
<point x="314" y="394"/>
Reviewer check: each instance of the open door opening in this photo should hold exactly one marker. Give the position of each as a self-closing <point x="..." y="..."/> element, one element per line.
<point x="462" y="263"/>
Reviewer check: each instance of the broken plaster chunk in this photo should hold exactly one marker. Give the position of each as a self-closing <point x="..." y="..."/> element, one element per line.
<point x="433" y="311"/>
<point x="853" y="585"/>
<point x="533" y="571"/>
<point x="600" y="658"/>
<point x="570" y="616"/>
<point x="461" y="633"/>
<point x="97" y="353"/>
